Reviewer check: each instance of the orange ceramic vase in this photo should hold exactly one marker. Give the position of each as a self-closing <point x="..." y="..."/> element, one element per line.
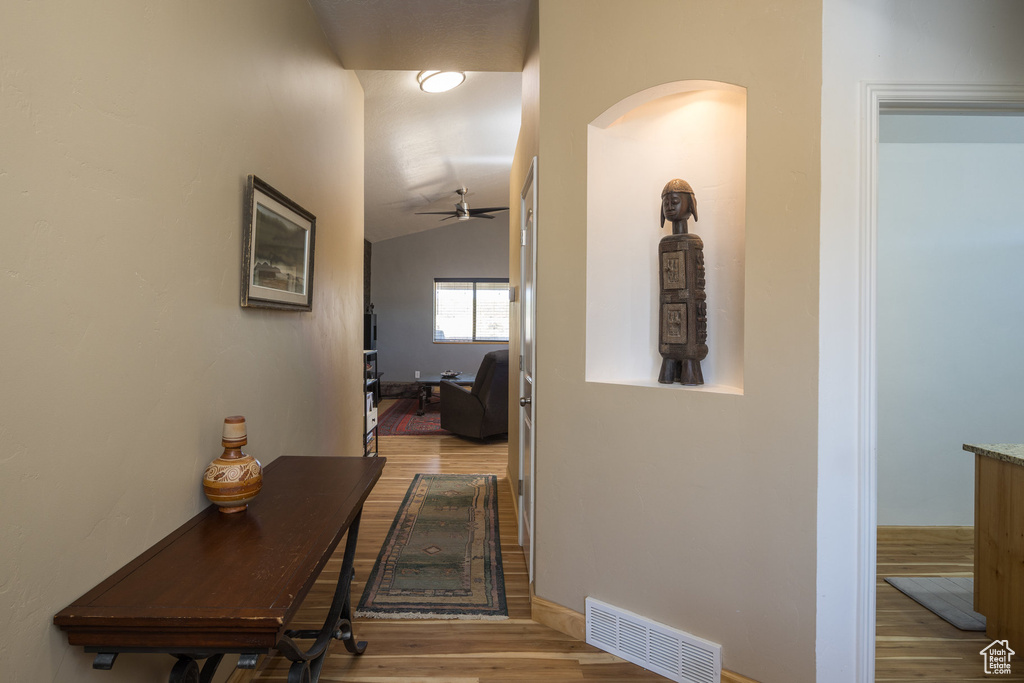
<point x="233" y="479"/>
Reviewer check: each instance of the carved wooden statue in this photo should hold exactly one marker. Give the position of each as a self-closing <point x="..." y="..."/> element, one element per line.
<point x="683" y="312"/>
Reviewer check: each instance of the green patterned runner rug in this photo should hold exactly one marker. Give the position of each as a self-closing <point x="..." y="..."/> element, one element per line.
<point x="442" y="556"/>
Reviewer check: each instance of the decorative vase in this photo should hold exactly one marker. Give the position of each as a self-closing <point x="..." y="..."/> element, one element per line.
<point x="233" y="480"/>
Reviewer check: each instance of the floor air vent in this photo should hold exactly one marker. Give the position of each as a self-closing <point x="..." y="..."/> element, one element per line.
<point x="656" y="647"/>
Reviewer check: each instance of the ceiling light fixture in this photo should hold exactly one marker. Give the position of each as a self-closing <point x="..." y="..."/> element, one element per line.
<point x="440" y="81"/>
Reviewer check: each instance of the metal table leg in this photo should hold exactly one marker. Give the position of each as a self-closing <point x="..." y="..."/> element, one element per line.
<point x="306" y="665"/>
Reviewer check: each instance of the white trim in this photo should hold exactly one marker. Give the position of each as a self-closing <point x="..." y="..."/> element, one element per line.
<point x="866" y="428"/>
<point x="528" y="508"/>
<point x="876" y="97"/>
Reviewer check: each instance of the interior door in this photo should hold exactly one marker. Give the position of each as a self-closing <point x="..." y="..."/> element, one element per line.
<point x="527" y="347"/>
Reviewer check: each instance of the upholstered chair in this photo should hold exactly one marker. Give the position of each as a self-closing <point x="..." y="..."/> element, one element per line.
<point x="480" y="411"/>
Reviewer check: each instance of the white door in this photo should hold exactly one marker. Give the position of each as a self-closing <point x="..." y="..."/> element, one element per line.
<point x="527" y="379"/>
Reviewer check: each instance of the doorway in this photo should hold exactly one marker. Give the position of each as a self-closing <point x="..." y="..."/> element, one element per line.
<point x="878" y="99"/>
<point x="949" y="316"/>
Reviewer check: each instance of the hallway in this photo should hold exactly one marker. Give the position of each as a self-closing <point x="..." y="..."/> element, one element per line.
<point x="517" y="649"/>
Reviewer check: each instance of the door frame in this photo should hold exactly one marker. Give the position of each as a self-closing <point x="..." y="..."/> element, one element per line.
<point x="527" y="508"/>
<point x="876" y="98"/>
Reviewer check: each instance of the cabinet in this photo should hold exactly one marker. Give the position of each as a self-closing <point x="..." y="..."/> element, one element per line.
<point x="999" y="538"/>
<point x="371" y="397"/>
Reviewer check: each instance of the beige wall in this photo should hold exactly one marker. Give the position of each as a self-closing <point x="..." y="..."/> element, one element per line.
<point x="127" y="131"/>
<point x="694" y="509"/>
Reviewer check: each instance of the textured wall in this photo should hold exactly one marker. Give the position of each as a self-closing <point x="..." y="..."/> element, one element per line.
<point x="128" y="129"/>
<point x="694" y="509"/>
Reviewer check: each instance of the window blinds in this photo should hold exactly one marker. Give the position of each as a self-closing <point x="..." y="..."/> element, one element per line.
<point x="468" y="310"/>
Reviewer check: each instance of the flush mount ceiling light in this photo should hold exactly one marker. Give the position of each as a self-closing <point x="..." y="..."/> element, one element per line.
<point x="440" y="81"/>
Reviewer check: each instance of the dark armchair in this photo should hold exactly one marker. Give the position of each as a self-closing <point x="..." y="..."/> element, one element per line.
<point x="482" y="410"/>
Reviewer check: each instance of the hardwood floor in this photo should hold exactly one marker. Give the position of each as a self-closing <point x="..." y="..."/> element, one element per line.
<point x="517" y="649"/>
<point x="912" y="644"/>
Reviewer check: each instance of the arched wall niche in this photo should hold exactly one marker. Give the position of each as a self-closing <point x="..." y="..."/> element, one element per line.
<point x="695" y="130"/>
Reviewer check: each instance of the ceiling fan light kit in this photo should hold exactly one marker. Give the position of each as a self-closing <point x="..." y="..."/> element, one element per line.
<point x="440" y="81"/>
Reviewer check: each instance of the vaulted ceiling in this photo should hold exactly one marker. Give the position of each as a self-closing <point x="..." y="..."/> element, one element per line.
<point x="420" y="147"/>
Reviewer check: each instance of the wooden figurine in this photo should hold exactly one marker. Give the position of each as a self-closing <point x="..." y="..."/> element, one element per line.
<point x="683" y="312"/>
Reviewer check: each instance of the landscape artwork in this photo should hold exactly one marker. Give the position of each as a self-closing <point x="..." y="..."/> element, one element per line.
<point x="280" y="252"/>
<point x="277" y="250"/>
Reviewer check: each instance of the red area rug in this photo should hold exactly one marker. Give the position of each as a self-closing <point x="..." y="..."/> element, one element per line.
<point x="401" y="419"/>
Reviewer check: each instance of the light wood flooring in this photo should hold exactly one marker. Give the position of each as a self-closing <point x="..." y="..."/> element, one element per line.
<point x="518" y="649"/>
<point x="912" y="644"/>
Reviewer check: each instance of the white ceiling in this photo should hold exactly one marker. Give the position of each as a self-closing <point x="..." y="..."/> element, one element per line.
<point x="420" y="147"/>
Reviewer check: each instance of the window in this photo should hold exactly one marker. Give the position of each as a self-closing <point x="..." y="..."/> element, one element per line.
<point x="470" y="310"/>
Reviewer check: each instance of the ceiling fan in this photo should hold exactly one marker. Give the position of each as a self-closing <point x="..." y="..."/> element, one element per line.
<point x="462" y="211"/>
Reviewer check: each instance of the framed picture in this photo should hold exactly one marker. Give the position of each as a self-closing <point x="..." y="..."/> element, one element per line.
<point x="277" y="250"/>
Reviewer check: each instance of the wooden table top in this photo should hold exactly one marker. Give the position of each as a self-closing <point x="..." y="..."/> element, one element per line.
<point x="230" y="581"/>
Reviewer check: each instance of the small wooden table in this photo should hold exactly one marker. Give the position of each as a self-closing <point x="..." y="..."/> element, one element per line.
<point x="999" y="538"/>
<point x="230" y="583"/>
<point x="428" y="382"/>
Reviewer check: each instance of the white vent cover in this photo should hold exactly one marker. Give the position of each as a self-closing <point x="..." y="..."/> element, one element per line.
<point x="656" y="647"/>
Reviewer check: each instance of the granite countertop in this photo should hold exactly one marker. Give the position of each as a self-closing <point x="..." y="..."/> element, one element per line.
<point x="1007" y="452"/>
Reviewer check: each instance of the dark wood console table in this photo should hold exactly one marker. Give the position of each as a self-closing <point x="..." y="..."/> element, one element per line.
<point x="230" y="583"/>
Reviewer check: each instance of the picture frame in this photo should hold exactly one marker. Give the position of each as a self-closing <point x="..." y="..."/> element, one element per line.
<point x="277" y="250"/>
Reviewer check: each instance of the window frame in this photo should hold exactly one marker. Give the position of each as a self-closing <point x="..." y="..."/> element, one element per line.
<point x="475" y="281"/>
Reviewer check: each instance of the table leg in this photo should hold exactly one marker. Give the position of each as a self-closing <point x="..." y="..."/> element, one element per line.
<point x="426" y="391"/>
<point x="186" y="669"/>
<point x="306" y="665"/>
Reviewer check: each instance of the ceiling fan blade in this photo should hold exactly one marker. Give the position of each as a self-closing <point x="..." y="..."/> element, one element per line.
<point x="449" y="218"/>
<point x="489" y="209"/>
<point x="481" y="215"/>
<point x="437" y="213"/>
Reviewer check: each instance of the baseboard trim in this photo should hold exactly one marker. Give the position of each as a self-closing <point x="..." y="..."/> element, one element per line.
<point x="572" y="623"/>
<point x="924" y="534"/>
<point x="562" y="619"/>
